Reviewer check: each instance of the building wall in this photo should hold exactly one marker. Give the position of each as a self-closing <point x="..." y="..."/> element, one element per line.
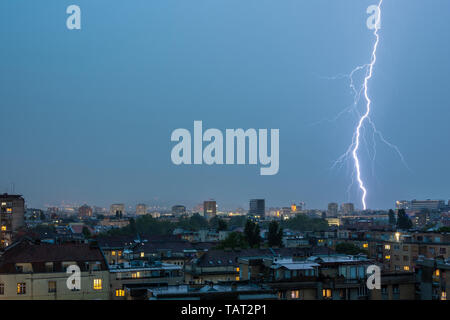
<point x="37" y="286"/>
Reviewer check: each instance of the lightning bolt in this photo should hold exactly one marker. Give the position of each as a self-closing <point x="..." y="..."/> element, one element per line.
<point x="358" y="135"/>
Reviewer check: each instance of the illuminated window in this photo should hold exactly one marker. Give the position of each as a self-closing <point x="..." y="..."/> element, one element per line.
<point x="295" y="294"/>
<point x="120" y="293"/>
<point x="436" y="273"/>
<point x="142" y="254"/>
<point x="443" y="295"/>
<point x="237" y="269"/>
<point x="387" y="247"/>
<point x="3" y="204"/>
<point x="9" y="210"/>
<point x="120" y="253"/>
<point x="97" y="284"/>
<point x="136" y="275"/>
<point x="113" y="253"/>
<point x="326" y="293"/>
<point x="365" y="245"/>
<point x="3" y="228"/>
<point x="406" y="268"/>
<point x="21" y="288"/>
<point x="237" y="278"/>
<point x="387" y="257"/>
<point x="51" y="286"/>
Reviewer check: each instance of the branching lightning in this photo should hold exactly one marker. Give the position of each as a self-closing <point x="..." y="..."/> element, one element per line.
<point x="353" y="150"/>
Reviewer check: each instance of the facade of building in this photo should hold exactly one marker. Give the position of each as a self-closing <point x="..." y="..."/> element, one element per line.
<point x="333" y="209"/>
<point x="178" y="210"/>
<point x="30" y="271"/>
<point x="85" y="211"/>
<point x="209" y="208"/>
<point x="141" y="209"/>
<point x="258" y="208"/>
<point x="347" y="208"/>
<point x="117" y="209"/>
<point x="12" y="217"/>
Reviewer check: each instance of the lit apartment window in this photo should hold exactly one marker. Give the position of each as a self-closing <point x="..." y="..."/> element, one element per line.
<point x="136" y="275"/>
<point x="21" y="288"/>
<point x="326" y="293"/>
<point x="97" y="284"/>
<point x="365" y="245"/>
<point x="9" y="210"/>
<point x="2" y="289"/>
<point x="387" y="257"/>
<point x="120" y="253"/>
<point x="51" y="286"/>
<point x="237" y="278"/>
<point x="436" y="273"/>
<point x="142" y="254"/>
<point x="113" y="253"/>
<point x="406" y="268"/>
<point x="295" y="294"/>
<point x="387" y="247"/>
<point x="3" y="228"/>
<point x="237" y="269"/>
<point x="443" y="295"/>
<point x="120" y="293"/>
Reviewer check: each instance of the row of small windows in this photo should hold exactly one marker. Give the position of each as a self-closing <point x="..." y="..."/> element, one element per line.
<point x="22" y="287"/>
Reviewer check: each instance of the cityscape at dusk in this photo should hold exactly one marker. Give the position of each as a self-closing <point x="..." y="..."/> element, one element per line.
<point x="208" y="159"/>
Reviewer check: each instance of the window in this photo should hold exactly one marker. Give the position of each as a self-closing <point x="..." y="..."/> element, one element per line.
<point x="326" y="293"/>
<point x="113" y="253"/>
<point x="387" y="247"/>
<point x="120" y="293"/>
<point x="9" y="210"/>
<point x="97" y="284"/>
<point x="51" y="286"/>
<point x="406" y="268"/>
<point x="365" y="245"/>
<point x="49" y="267"/>
<point x="295" y="294"/>
<point x="21" y="288"/>
<point x="405" y="258"/>
<point x="136" y="275"/>
<point x="142" y="254"/>
<point x="387" y="257"/>
<point x="3" y="228"/>
<point x="237" y="278"/>
<point x="395" y="289"/>
<point x="2" y="288"/>
<point x="443" y="295"/>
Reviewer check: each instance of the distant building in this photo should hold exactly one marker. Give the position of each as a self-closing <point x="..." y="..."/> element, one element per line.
<point x="141" y="209"/>
<point x="178" y="210"/>
<point x="209" y="208"/>
<point x="85" y="211"/>
<point x="431" y="205"/>
<point x="333" y="208"/>
<point x="258" y="208"/>
<point x="348" y="208"/>
<point x="12" y="212"/>
<point x="403" y="204"/>
<point x="118" y="208"/>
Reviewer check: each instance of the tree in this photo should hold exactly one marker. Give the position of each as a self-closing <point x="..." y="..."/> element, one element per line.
<point x="218" y="224"/>
<point x="348" y="248"/>
<point x="275" y="235"/>
<point x="86" y="232"/>
<point x="403" y="221"/>
<point x="233" y="240"/>
<point x="392" y="220"/>
<point x="252" y="233"/>
<point x="304" y="223"/>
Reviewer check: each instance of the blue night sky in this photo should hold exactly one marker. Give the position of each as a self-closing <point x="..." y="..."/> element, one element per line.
<point x="87" y="114"/>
